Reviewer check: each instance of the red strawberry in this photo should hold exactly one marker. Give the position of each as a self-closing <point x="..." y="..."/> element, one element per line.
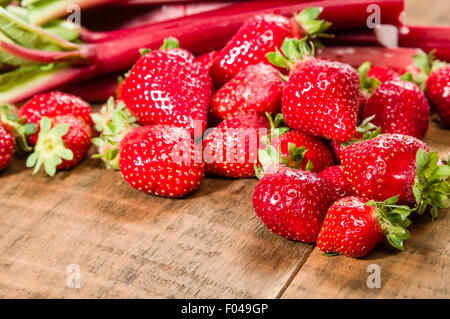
<point x="7" y="145"/>
<point x="360" y="110"/>
<point x="262" y="34"/>
<point x="353" y="227"/>
<point x="320" y="97"/>
<point x="63" y="142"/>
<point x="302" y="148"/>
<point x="231" y="149"/>
<point x="161" y="160"/>
<point x="438" y="93"/>
<point x="207" y="59"/>
<point x="257" y="37"/>
<point x="395" y="164"/>
<point x="119" y="93"/>
<point x="399" y="107"/>
<point x="383" y="74"/>
<point x="169" y="87"/>
<point x="52" y="104"/>
<point x="337" y="182"/>
<point x="257" y="87"/>
<point x="291" y="203"/>
<point x="12" y="127"/>
<point x="365" y="131"/>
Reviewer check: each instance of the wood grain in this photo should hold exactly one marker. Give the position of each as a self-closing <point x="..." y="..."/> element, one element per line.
<point x="421" y="271"/>
<point x="129" y="244"/>
<point x="211" y="244"/>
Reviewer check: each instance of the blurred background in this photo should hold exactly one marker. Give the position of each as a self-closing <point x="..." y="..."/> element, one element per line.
<point x="428" y="12"/>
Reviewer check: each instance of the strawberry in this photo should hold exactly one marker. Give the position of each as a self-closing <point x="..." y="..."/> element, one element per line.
<point x="399" y="107"/>
<point x="12" y="127"/>
<point x="302" y="151"/>
<point x="112" y="122"/>
<point x="372" y="76"/>
<point x="7" y="145"/>
<point x="438" y="92"/>
<point x="353" y="227"/>
<point x="257" y="87"/>
<point x="19" y="127"/>
<point x="51" y="104"/>
<point x="291" y="203"/>
<point x="207" y="59"/>
<point x="161" y="160"/>
<point x="262" y="34"/>
<point x="257" y="37"/>
<point x="231" y="149"/>
<point x="365" y="131"/>
<point x="320" y="97"/>
<point x="338" y="184"/>
<point x="383" y="74"/>
<point x="360" y="109"/>
<point x="63" y="142"/>
<point x="395" y="164"/>
<point x="169" y="87"/>
<point x="119" y="91"/>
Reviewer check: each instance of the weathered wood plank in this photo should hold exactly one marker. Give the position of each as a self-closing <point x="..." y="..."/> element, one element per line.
<point x="128" y="244"/>
<point x="422" y="271"/>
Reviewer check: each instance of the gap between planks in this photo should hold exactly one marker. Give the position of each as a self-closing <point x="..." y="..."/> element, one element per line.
<point x="294" y="273"/>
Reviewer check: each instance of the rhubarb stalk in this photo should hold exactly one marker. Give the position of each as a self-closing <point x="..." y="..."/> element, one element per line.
<point x="206" y="31"/>
<point x="426" y="38"/>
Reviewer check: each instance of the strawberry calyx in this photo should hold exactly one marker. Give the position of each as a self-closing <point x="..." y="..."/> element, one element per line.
<point x="50" y="149"/>
<point x="368" y="84"/>
<point x="426" y="63"/>
<point x="366" y="131"/>
<point x="270" y="157"/>
<point x="393" y="220"/>
<point x="307" y="25"/>
<point x="431" y="187"/>
<point x="170" y="43"/>
<point x="113" y="122"/>
<point x="292" y="52"/>
<point x="21" y="129"/>
<point x="277" y="125"/>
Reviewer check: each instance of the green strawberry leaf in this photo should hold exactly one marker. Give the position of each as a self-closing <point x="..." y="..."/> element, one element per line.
<point x="21" y="129"/>
<point x="368" y="84"/>
<point x="170" y="43"/>
<point x="311" y="27"/>
<point x="393" y="220"/>
<point x="50" y="149"/>
<point x="431" y="187"/>
<point x="113" y="122"/>
<point x="292" y="51"/>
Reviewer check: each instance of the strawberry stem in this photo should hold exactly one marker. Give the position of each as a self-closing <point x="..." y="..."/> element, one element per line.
<point x="393" y="220"/>
<point x="310" y="27"/>
<point x="113" y="122"/>
<point x="21" y="129"/>
<point x="50" y="149"/>
<point x="368" y="85"/>
<point x="432" y="183"/>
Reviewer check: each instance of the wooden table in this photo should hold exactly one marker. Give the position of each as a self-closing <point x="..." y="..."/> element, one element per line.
<point x="209" y="245"/>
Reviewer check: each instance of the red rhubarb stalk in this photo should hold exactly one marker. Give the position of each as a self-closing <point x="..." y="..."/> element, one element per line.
<point x="197" y="33"/>
<point x="345" y="15"/>
<point x="426" y="38"/>
<point x="395" y="58"/>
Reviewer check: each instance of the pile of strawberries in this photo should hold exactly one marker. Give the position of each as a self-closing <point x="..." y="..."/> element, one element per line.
<point x="338" y="151"/>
